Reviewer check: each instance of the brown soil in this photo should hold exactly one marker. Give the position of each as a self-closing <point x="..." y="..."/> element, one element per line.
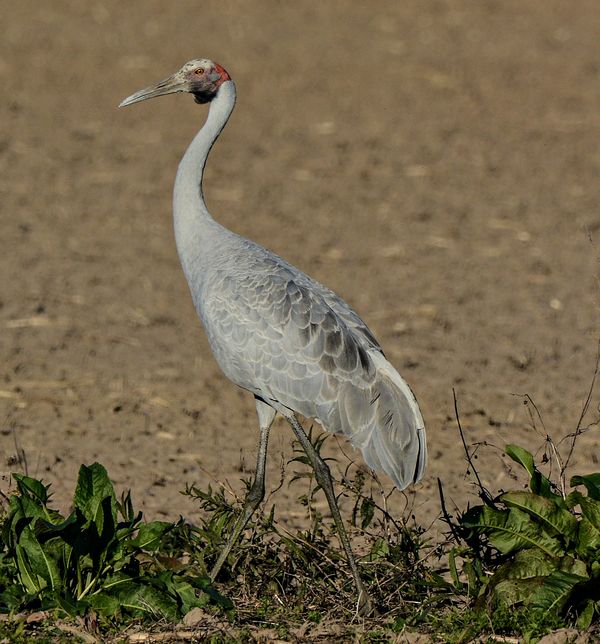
<point x="436" y="163"/>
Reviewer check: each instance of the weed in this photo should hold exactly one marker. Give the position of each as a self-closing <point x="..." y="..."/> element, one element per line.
<point x="303" y="575"/>
<point x="522" y="563"/>
<point x="532" y="558"/>
<point x="101" y="558"/>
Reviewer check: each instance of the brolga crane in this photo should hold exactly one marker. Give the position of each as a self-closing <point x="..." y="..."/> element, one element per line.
<point x="289" y="340"/>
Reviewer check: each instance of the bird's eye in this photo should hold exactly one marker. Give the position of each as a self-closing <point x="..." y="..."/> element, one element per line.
<point x="199" y="71"/>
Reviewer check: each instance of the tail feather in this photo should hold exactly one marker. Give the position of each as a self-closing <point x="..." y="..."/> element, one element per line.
<point x="386" y="424"/>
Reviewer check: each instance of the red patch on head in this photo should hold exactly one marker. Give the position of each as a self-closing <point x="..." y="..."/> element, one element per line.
<point x="224" y="76"/>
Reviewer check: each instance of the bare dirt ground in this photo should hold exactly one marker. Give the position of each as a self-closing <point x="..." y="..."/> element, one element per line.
<point x="434" y="162"/>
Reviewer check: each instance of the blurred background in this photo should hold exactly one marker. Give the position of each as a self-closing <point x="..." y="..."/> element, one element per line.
<point x="434" y="162"/>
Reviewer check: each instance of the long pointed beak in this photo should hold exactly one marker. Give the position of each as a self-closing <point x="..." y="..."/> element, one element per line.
<point x="169" y="85"/>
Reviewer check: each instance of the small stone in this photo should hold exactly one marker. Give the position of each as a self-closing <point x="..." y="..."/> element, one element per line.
<point x="195" y="617"/>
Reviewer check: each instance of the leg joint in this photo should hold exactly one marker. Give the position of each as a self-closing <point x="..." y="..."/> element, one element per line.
<point x="256" y="493"/>
<point x="322" y="471"/>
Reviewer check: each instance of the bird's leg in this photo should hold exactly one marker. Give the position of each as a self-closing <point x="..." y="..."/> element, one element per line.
<point x="323" y="476"/>
<point x="256" y="494"/>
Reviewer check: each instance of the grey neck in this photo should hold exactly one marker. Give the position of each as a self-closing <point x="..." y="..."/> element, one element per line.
<point x="194" y="226"/>
<point x="188" y="199"/>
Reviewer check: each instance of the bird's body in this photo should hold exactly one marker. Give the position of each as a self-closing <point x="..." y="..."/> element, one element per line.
<point x="292" y="342"/>
<point x="285" y="337"/>
<point x="296" y="345"/>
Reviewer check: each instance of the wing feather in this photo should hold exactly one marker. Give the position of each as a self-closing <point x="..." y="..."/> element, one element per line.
<point x="301" y="348"/>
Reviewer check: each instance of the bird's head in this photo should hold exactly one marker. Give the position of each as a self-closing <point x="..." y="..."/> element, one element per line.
<point x="201" y="77"/>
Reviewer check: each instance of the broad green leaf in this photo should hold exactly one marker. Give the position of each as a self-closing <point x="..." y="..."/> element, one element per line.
<point x="15" y="523"/>
<point x="115" y="580"/>
<point x="380" y="549"/>
<point x="554" y="594"/>
<point x="32" y="488"/>
<point x="538" y="483"/>
<point x="195" y="592"/>
<point x="588" y="538"/>
<point x="510" y="530"/>
<point x="591" y="510"/>
<point x="150" y="534"/>
<point x="125" y="507"/>
<point x="514" y="581"/>
<point x="574" y="566"/>
<point x="571" y="500"/>
<point x="454" y="570"/>
<point x="139" y="598"/>
<point x="591" y="482"/>
<point x="11" y="598"/>
<point x="41" y="563"/>
<point x="93" y="487"/>
<point x="23" y="507"/>
<point x="554" y="519"/>
<point x="104" y="604"/>
<point x="516" y="591"/>
<point x="367" y="510"/>
<point x="206" y="585"/>
<point x="64" y="602"/>
<point x="527" y="564"/>
<point x="188" y="598"/>
<point x="28" y="578"/>
<point x="46" y="530"/>
<point x="475" y="577"/>
<point x="58" y="552"/>
<point x="163" y="580"/>
<point x="584" y="621"/>
<point x="121" y="559"/>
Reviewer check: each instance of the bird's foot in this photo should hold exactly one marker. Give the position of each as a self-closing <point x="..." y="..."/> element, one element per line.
<point x="365" y="607"/>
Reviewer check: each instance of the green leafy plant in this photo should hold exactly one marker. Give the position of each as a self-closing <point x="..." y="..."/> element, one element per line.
<point x="522" y="563"/>
<point x="537" y="549"/>
<point x="102" y="557"/>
